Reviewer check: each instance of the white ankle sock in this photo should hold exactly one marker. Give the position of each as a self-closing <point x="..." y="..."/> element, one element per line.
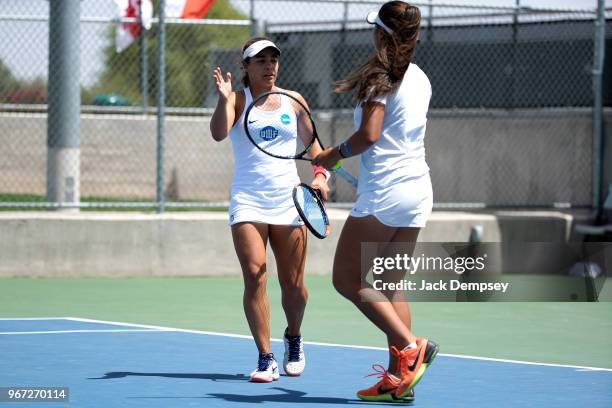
<point x="412" y="345"/>
<point x="394" y="378"/>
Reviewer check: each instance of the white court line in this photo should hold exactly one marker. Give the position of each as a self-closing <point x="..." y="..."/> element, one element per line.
<point x="499" y="360"/>
<point x="32" y="318"/>
<point x="83" y="331"/>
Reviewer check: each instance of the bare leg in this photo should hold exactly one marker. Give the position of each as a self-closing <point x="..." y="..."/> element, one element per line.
<point x="289" y="246"/>
<point x="250" y="244"/>
<point x="347" y="278"/>
<point x="408" y="236"/>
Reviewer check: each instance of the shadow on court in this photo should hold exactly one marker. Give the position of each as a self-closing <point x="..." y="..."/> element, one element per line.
<point x="288" y="396"/>
<point x="204" y="376"/>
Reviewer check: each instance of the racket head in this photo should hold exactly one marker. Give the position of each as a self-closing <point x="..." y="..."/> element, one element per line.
<point x="311" y="210"/>
<point x="280" y="125"/>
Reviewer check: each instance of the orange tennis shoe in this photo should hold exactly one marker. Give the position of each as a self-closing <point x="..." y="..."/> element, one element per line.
<point x="384" y="390"/>
<point x="412" y="364"/>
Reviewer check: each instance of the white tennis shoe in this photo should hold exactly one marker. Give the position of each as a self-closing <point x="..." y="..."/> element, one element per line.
<point x="267" y="369"/>
<point x="294" y="361"/>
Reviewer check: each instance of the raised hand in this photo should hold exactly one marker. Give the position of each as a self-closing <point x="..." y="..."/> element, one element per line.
<point x="224" y="85"/>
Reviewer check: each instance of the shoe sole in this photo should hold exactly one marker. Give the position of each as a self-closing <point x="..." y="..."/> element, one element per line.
<point x="275" y="377"/>
<point x="263" y="380"/>
<point x="387" y="398"/>
<point x="430" y="356"/>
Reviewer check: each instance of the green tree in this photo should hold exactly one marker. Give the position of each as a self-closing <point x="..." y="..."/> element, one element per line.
<point x="17" y="91"/>
<point x="7" y="80"/>
<point x="187" y="59"/>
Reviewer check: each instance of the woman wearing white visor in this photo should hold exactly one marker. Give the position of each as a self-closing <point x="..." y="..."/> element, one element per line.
<point x="394" y="196"/>
<point x="262" y="210"/>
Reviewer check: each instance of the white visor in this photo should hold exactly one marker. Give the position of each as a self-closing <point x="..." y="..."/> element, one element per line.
<point x="257" y="47"/>
<point x="373" y="18"/>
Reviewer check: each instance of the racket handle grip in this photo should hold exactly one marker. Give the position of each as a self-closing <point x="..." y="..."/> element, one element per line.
<point x="339" y="170"/>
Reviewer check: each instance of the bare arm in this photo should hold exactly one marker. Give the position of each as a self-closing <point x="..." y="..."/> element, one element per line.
<point x="305" y="130"/>
<point x="225" y="113"/>
<point x="360" y="141"/>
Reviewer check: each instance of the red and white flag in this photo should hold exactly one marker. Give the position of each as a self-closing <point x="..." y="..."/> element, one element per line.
<point x="188" y="9"/>
<point x="127" y="32"/>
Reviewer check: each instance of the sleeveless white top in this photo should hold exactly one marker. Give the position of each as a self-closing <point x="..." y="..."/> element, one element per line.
<point x="262" y="181"/>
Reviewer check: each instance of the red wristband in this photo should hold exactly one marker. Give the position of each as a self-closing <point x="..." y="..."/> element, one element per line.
<point x="320" y="170"/>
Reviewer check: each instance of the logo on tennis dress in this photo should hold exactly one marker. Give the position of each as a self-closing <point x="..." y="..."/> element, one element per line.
<point x="285" y="119"/>
<point x="268" y="133"/>
<point x="253" y="121"/>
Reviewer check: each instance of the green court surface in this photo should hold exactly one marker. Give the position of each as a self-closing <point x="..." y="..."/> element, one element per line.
<point x="560" y="333"/>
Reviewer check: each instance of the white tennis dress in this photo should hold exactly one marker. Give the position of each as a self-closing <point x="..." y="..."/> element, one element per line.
<point x="394" y="183"/>
<point x="262" y="185"/>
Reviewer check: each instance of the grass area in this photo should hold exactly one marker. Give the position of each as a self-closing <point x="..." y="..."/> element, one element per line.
<point x="563" y="333"/>
<point x="37" y="199"/>
<point x="14" y="198"/>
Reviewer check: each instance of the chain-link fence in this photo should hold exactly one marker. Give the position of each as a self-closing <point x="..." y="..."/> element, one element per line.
<point x="510" y="121"/>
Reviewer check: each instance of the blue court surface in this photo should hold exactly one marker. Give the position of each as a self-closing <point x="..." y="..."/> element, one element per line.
<point x="110" y="364"/>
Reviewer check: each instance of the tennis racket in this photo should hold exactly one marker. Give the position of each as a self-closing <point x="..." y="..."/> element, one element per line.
<point x="273" y="131"/>
<point x="311" y="209"/>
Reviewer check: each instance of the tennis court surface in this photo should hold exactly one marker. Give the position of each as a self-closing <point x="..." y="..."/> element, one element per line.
<point x="114" y="364"/>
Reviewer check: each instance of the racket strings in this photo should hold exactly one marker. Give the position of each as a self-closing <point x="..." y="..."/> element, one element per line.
<point x="279" y="125"/>
<point x="269" y="103"/>
<point x="311" y="210"/>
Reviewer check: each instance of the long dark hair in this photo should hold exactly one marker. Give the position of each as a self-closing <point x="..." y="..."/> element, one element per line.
<point x="385" y="69"/>
<point x="251" y="41"/>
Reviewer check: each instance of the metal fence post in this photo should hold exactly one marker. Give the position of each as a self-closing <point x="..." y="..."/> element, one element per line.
<point x="161" y="100"/>
<point x="514" y="72"/>
<point x="598" y="65"/>
<point x="430" y="7"/>
<point x="144" y="62"/>
<point x="63" y="120"/>
<point x="254" y="29"/>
